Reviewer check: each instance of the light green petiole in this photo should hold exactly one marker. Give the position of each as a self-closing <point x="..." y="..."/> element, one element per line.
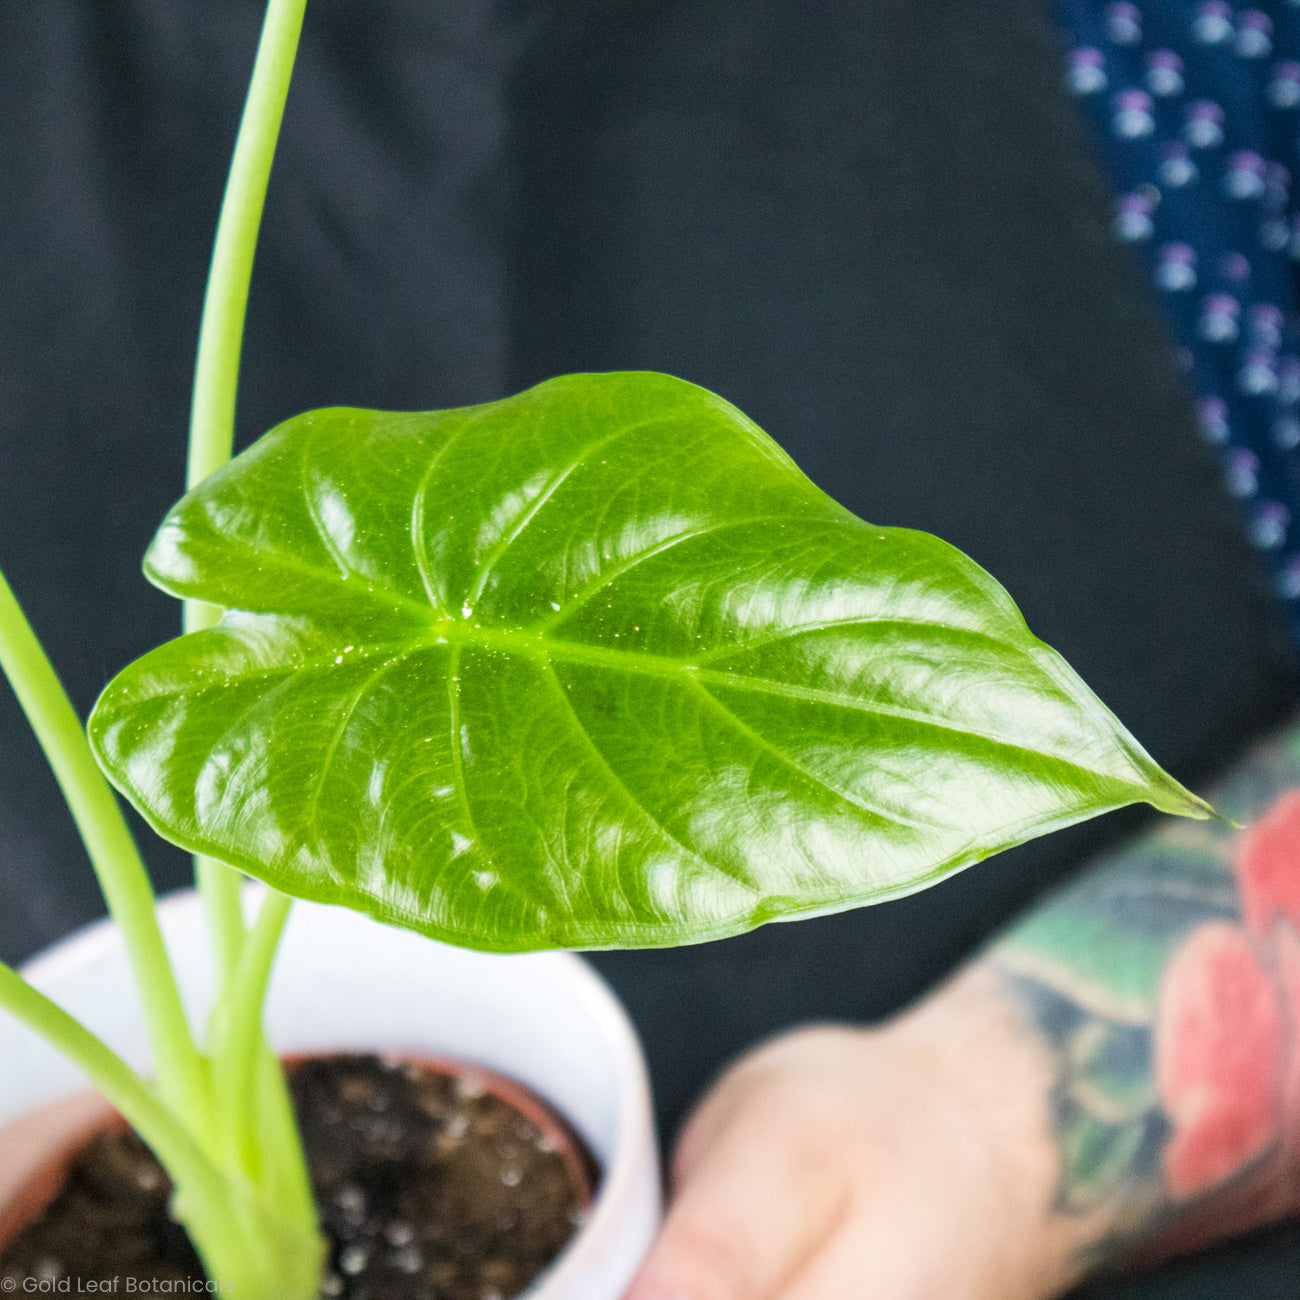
<point x="175" y="1146"/>
<point x="182" y="1071"/>
<point x="216" y="371"/>
<point x="241" y="1235"/>
<point x="251" y="1118"/>
<point x="255" y="1129"/>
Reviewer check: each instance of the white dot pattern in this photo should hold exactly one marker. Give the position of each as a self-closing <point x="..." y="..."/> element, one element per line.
<point x="1196" y="104"/>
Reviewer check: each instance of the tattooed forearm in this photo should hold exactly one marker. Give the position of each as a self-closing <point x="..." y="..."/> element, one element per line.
<point x="1166" y="985"/>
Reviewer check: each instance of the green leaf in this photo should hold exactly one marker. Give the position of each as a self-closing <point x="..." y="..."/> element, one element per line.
<point x="592" y="666"/>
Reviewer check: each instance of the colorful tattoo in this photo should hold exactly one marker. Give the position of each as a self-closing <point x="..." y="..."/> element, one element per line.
<point x="1167" y="985"/>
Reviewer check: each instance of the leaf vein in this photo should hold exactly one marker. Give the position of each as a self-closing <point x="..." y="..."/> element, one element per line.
<point x="313" y="506"/>
<point x="827" y="625"/>
<point x="553" y="485"/>
<point x="458" y="745"/>
<point x="604" y="579"/>
<point x="813" y="695"/>
<point x="781" y="756"/>
<point x="336" y="739"/>
<point x="419" y="503"/>
<point x="626" y="791"/>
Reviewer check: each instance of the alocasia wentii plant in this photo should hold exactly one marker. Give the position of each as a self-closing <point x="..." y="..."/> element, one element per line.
<point x="591" y="666"/>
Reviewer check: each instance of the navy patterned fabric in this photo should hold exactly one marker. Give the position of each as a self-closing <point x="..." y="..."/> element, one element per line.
<point x="1196" y="104"/>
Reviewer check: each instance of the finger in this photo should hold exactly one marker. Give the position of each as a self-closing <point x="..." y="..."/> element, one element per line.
<point x="844" y="1269"/>
<point x="894" y="1262"/>
<point x="753" y="1206"/>
<point x="814" y="1052"/>
<point x="916" y="1240"/>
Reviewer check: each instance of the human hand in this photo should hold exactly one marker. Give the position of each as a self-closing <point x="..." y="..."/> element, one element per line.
<point x="912" y="1162"/>
<point x="1116" y="1078"/>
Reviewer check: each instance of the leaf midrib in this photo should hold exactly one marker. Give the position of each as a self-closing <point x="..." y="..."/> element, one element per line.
<point x="457" y="636"/>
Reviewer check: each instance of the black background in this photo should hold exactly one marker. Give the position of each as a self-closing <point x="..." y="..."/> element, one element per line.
<point x="877" y="228"/>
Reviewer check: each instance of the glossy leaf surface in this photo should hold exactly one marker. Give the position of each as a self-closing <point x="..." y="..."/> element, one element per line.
<point x="595" y="665"/>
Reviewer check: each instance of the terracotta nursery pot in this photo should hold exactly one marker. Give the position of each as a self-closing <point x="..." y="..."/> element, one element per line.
<point x="345" y="984"/>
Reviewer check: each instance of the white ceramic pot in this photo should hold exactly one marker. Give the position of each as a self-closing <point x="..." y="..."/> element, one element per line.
<point x="345" y="983"/>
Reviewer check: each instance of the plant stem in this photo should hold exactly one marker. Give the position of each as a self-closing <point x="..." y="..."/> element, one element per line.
<point x="121" y="1086"/>
<point x="235" y="1055"/>
<point x="286" y="1179"/>
<point x="241" y="1240"/>
<point x="216" y="372"/>
<point x="256" y="1118"/>
<point x="257" y="1127"/>
<point x="219" y="886"/>
<point x="182" y="1072"/>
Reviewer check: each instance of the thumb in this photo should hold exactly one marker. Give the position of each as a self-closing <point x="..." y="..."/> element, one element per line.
<point x="754" y="1203"/>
